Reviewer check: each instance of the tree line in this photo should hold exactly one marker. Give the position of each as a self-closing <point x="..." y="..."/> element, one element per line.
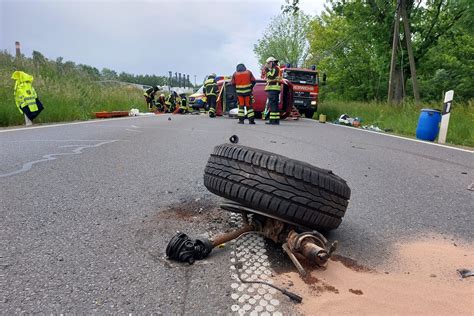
<point x="55" y="69"/>
<point x="351" y="41"/>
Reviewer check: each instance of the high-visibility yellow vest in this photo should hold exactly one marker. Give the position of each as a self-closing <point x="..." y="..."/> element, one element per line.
<point x="273" y="79"/>
<point x="25" y="94"/>
<point x="210" y="87"/>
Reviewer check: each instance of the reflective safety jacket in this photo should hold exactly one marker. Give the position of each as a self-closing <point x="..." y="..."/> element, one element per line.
<point x="210" y="87"/>
<point x="273" y="79"/>
<point x="150" y="93"/>
<point x="243" y="82"/>
<point x="26" y="98"/>
<point x="161" y="100"/>
<point x="184" y="102"/>
<point x="169" y="101"/>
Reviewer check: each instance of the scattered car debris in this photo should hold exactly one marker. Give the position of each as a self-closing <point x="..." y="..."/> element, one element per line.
<point x="133" y="112"/>
<point x="233" y="113"/>
<point x="136" y="112"/>
<point x="234" y="139"/>
<point x="347" y="120"/>
<point x="293" y="230"/>
<point x="293" y="296"/>
<point x="464" y="273"/>
<point x="372" y="128"/>
<point x="169" y="118"/>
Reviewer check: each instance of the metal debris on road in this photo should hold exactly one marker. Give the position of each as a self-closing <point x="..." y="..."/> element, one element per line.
<point x="234" y="139"/>
<point x="183" y="249"/>
<point x="311" y="245"/>
<point x="464" y="273"/>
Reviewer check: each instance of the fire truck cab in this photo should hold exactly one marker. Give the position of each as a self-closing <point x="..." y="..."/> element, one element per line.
<point x="305" y="88"/>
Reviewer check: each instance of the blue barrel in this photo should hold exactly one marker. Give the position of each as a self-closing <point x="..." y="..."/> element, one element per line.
<point x="428" y="124"/>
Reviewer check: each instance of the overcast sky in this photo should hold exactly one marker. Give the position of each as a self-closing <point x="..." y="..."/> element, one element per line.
<point x="194" y="37"/>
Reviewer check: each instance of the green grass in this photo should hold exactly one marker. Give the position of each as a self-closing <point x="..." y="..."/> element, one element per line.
<point x="66" y="92"/>
<point x="403" y="119"/>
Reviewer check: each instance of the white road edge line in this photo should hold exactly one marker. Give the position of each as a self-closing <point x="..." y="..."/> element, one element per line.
<point x="401" y="137"/>
<point x="72" y="123"/>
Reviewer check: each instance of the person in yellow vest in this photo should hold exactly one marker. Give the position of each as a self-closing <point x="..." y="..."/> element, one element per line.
<point x="211" y="90"/>
<point x="183" y="108"/>
<point x="272" y="73"/>
<point x="26" y="98"/>
<point x="169" y="102"/>
<point x="149" y="95"/>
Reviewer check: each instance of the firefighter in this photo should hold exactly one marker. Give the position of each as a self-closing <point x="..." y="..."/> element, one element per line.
<point x="169" y="102"/>
<point x="272" y="73"/>
<point x="210" y="91"/>
<point x="183" y="108"/>
<point x="150" y="96"/>
<point x="160" y="103"/>
<point x="244" y="81"/>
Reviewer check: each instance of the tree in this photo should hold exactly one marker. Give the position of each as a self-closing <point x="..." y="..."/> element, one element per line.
<point x="352" y="42"/>
<point x="285" y="39"/>
<point x="108" y="74"/>
<point x="290" y="6"/>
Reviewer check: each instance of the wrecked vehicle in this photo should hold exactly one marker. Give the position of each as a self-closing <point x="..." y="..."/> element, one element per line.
<point x="227" y="99"/>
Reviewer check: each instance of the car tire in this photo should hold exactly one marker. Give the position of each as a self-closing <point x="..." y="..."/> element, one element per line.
<point x="290" y="190"/>
<point x="308" y="113"/>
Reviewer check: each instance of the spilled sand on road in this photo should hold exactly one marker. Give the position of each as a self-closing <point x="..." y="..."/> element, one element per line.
<point x="420" y="278"/>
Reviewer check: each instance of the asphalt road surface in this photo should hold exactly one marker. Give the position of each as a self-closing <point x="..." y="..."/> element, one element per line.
<point x="87" y="209"/>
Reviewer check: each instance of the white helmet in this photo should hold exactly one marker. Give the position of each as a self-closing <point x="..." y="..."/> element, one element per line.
<point x="271" y="59"/>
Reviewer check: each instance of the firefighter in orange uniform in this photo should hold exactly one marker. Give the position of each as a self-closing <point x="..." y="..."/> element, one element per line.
<point x="243" y="80"/>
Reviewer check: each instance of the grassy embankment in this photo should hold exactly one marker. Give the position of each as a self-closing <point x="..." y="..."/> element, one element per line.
<point x="68" y="92"/>
<point x="403" y="119"/>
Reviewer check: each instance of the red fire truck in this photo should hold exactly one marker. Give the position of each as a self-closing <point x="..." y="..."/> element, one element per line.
<point x="305" y="87"/>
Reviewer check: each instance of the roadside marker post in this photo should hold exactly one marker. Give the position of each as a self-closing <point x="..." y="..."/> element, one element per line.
<point x="443" y="129"/>
<point x="28" y="122"/>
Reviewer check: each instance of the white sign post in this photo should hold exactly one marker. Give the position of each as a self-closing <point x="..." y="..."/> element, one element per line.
<point x="443" y="129"/>
<point x="28" y="122"/>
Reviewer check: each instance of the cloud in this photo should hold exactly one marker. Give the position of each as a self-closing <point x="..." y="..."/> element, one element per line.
<point x="194" y="37"/>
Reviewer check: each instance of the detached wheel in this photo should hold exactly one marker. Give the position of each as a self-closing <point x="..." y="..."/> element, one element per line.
<point x="277" y="186"/>
<point x="308" y="113"/>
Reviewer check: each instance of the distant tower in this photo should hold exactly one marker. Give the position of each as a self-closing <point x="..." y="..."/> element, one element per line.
<point x="17" y="49"/>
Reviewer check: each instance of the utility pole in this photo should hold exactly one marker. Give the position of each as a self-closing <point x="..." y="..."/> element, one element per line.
<point x="396" y="34"/>
<point x="194" y="80"/>
<point x="406" y="28"/>
<point x="402" y="13"/>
